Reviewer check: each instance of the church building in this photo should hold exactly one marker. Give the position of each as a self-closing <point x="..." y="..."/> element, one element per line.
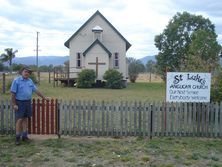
<point x="97" y="45"/>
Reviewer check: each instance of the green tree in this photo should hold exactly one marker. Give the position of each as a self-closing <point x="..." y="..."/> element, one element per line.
<point x="43" y="68"/>
<point x="150" y="67"/>
<point x="17" y="67"/>
<point x="51" y="67"/>
<point x="8" y="56"/>
<point x="114" y="79"/>
<point x="176" y="41"/>
<point x="33" y="67"/>
<point x="216" y="87"/>
<point x="203" y="52"/>
<point x="134" y="68"/>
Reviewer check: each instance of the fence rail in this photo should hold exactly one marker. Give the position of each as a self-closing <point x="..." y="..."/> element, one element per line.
<point x="91" y="118"/>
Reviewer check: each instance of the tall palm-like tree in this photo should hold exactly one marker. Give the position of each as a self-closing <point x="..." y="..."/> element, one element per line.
<point x="8" y="56"/>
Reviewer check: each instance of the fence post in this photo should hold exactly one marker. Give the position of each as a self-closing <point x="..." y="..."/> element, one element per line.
<point x="38" y="116"/>
<point x="151" y="122"/>
<point x="140" y="118"/>
<point x="33" y="116"/>
<point x="57" y="76"/>
<point x="3" y="85"/>
<point x="54" y="77"/>
<point x="68" y="77"/>
<point x="49" y="76"/>
<point x="58" y="119"/>
<point x="38" y="73"/>
<point x="198" y="118"/>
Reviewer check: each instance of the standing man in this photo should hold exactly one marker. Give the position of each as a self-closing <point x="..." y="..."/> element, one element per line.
<point x="21" y="92"/>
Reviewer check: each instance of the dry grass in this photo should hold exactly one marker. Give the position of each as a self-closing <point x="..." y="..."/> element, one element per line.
<point x="145" y="77"/>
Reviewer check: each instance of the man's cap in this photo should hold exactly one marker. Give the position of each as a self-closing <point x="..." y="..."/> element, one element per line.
<point x="27" y="68"/>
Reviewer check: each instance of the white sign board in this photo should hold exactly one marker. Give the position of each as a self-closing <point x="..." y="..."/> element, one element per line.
<point x="188" y="87"/>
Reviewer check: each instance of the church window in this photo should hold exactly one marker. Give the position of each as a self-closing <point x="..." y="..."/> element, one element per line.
<point x="116" y="60"/>
<point x="78" y="60"/>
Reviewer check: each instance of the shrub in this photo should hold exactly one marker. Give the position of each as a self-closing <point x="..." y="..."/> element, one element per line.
<point x="86" y="78"/>
<point x="114" y="79"/>
<point x="8" y="85"/>
<point x="216" y="88"/>
<point x="33" y="78"/>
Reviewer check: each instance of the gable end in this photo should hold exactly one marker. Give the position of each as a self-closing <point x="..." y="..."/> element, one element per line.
<point x="99" y="43"/>
<point x="128" y="45"/>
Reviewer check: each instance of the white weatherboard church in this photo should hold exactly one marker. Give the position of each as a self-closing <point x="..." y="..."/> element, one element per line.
<point x="99" y="46"/>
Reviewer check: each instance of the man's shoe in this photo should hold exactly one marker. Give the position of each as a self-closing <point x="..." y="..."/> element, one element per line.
<point x="17" y="141"/>
<point x="26" y="139"/>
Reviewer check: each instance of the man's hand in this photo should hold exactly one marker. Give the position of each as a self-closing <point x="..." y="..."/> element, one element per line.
<point x="42" y="96"/>
<point x="15" y="107"/>
<point x="47" y="98"/>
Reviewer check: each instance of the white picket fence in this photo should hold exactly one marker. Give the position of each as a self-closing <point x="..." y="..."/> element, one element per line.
<point x="7" y="118"/>
<point x="140" y="119"/>
<point x="93" y="118"/>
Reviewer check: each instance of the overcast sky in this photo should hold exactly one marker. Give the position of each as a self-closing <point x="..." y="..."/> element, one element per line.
<point x="56" y="20"/>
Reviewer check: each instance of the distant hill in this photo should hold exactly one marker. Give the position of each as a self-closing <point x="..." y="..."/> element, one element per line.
<point x="42" y="60"/>
<point x="145" y="59"/>
<point x="58" y="60"/>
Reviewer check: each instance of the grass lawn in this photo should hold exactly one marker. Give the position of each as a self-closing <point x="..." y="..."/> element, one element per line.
<point x="109" y="152"/>
<point x="135" y="91"/>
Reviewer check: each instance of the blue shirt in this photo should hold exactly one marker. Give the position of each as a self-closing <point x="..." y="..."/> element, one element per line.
<point x="23" y="88"/>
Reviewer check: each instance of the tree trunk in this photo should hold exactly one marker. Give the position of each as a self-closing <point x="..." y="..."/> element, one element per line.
<point x="10" y="66"/>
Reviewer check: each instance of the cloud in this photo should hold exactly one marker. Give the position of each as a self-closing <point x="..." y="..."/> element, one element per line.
<point x="219" y="38"/>
<point x="56" y="20"/>
<point x="207" y="8"/>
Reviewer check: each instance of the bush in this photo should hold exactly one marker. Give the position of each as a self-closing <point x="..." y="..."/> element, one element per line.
<point x="8" y="85"/>
<point x="33" y="78"/>
<point x="114" y="79"/>
<point x="216" y="88"/>
<point x="86" y="78"/>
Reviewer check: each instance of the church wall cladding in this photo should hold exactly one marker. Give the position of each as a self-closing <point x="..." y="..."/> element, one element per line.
<point x="188" y="87"/>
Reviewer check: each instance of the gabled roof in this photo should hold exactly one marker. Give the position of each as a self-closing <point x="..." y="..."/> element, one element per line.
<point x="94" y="15"/>
<point x="99" y="43"/>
